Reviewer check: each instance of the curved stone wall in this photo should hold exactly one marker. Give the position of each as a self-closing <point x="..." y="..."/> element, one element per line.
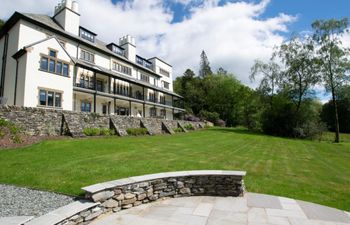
<point x="126" y="193"/>
<point x="116" y="195"/>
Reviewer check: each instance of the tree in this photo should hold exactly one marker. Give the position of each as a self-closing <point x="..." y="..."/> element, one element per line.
<point x="204" y="67"/>
<point x="333" y="58"/>
<point x="1" y="23"/>
<point x="300" y="72"/>
<point x="343" y="104"/>
<point x="221" y="71"/>
<point x="271" y="76"/>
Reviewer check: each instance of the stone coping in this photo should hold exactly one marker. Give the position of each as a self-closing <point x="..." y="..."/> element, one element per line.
<point x="131" y="180"/>
<point x="62" y="213"/>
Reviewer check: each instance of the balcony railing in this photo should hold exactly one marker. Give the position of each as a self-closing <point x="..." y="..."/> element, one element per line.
<point x="134" y="95"/>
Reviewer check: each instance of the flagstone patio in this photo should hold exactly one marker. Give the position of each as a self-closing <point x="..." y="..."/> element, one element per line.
<point x="253" y="209"/>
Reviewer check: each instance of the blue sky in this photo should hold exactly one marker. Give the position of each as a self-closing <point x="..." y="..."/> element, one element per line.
<point x="307" y="11"/>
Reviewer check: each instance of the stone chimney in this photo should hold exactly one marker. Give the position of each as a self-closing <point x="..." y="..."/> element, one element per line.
<point x="67" y="16"/>
<point x="128" y="43"/>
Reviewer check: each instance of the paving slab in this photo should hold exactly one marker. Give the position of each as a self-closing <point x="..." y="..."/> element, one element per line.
<point x="15" y="220"/>
<point x="263" y="201"/>
<point x="248" y="210"/>
<point x="320" y="212"/>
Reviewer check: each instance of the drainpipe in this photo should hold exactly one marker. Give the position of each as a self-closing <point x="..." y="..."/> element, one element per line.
<point x="3" y="69"/>
<point x="16" y="78"/>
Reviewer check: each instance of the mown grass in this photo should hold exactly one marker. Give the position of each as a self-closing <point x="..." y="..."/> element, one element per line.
<point x="308" y="170"/>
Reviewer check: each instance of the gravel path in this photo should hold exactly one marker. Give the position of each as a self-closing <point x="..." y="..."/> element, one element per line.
<point x="16" y="201"/>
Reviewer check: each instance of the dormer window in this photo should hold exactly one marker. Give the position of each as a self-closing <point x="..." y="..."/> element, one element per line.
<point x="87" y="35"/>
<point x="144" y="62"/>
<point x="116" y="49"/>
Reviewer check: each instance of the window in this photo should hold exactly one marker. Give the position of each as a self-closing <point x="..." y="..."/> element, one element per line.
<point x="144" y="62"/>
<point x="65" y="69"/>
<point x="162" y="100"/>
<point x="165" y="85"/>
<point x="59" y="67"/>
<point x="50" y="98"/>
<point x="44" y="63"/>
<point x="53" y="53"/>
<point x="164" y="72"/>
<point x="42" y="97"/>
<point x="87" y="56"/>
<point x="152" y="97"/>
<point x="52" y="66"/>
<point x="121" y="68"/>
<point x="144" y="77"/>
<point x="162" y="113"/>
<point x="85" y="106"/>
<point x="50" y="63"/>
<point x="153" y="112"/>
<point x="58" y="100"/>
<point x="87" y="35"/>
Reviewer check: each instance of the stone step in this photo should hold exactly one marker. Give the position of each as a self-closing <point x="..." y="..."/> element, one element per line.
<point x="145" y="125"/>
<point x="120" y="131"/>
<point x="167" y="129"/>
<point x="73" y="126"/>
<point x="182" y="127"/>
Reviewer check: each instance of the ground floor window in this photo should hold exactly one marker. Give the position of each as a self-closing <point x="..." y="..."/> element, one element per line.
<point x="85" y="106"/>
<point x="153" y="112"/>
<point x="163" y="113"/>
<point x="50" y="98"/>
<point x="122" y="111"/>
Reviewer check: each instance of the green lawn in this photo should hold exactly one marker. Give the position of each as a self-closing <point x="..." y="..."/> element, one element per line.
<point x="308" y="170"/>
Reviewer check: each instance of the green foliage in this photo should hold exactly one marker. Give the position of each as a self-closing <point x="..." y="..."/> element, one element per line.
<point x="137" y="131"/>
<point x="91" y="131"/>
<point x="1" y="23"/>
<point x="178" y="130"/>
<point x="11" y="129"/>
<point x="189" y="126"/>
<point x="210" y="116"/>
<point x="343" y="104"/>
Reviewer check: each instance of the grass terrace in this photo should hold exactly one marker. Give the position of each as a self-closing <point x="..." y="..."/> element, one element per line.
<point x="309" y="170"/>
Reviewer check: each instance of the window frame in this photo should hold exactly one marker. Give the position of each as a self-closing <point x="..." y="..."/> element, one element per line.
<point x="116" y="66"/>
<point x="46" y="91"/>
<point x="84" y="52"/>
<point x="55" y="61"/>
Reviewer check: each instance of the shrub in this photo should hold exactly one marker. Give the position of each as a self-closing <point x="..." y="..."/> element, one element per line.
<point x="105" y="132"/>
<point x="210" y="116"/>
<point x="91" y="131"/>
<point x="178" y="130"/>
<point x="192" y="118"/>
<point x="221" y="123"/>
<point x="189" y="126"/>
<point x="136" y="131"/>
<point x="7" y="127"/>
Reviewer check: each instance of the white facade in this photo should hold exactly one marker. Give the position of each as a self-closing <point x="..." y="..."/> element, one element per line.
<point x="54" y="55"/>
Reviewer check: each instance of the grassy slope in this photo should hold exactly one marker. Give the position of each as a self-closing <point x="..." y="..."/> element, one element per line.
<point x="312" y="171"/>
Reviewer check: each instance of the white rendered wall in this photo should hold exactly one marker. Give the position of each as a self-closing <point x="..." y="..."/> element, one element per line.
<point x="36" y="79"/>
<point x="11" y="64"/>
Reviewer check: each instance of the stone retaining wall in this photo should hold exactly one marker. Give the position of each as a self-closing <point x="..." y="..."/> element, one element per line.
<point x="38" y="121"/>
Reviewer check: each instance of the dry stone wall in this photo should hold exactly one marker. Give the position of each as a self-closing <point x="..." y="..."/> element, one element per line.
<point x="38" y="121"/>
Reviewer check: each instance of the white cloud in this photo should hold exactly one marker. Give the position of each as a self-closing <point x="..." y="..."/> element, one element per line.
<point x="232" y="35"/>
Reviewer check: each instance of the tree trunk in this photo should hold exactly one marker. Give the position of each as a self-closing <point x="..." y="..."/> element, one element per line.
<point x="336" y="116"/>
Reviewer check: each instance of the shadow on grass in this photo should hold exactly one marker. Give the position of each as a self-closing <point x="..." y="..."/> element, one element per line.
<point x="237" y="130"/>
